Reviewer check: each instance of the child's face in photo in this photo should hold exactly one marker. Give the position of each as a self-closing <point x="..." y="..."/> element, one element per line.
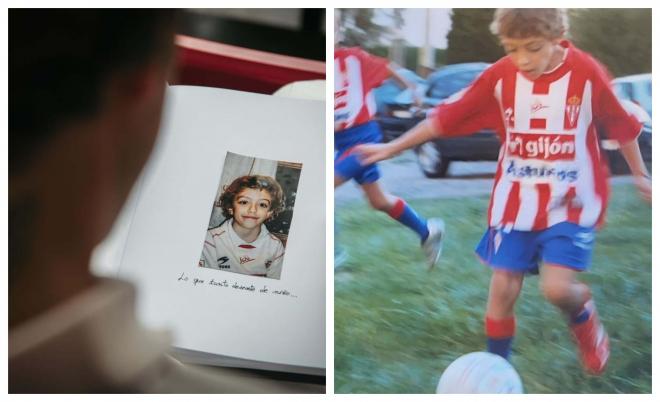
<point x="532" y="56"/>
<point x="251" y="207"/>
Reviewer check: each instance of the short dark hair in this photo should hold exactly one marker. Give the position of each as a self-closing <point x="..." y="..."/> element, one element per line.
<point x="257" y="182"/>
<point x="59" y="60"/>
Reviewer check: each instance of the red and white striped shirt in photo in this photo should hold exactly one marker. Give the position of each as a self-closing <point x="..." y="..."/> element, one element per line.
<point x="357" y="73"/>
<point x="550" y="168"/>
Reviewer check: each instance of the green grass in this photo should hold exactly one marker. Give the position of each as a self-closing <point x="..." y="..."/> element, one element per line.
<point x="397" y="327"/>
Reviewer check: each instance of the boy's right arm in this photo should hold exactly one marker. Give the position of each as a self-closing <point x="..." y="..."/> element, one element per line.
<point x="421" y="133"/>
<point x="463" y="113"/>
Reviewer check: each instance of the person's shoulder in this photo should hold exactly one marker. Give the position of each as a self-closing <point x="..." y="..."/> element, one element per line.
<point x="490" y="75"/>
<point x="220" y="230"/>
<point x="272" y="239"/>
<point x="500" y="68"/>
<point x="583" y="60"/>
<point x="358" y="52"/>
<point x="345" y="51"/>
<point x="352" y="49"/>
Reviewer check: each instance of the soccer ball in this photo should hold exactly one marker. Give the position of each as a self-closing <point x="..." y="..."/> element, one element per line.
<point x="480" y="373"/>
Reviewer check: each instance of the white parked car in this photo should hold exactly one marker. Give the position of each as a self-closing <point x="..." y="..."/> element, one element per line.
<point x="635" y="88"/>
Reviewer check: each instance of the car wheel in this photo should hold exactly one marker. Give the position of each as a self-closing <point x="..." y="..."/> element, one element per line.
<point x="430" y="160"/>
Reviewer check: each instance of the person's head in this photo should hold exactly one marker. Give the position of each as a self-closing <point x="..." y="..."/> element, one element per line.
<point x="251" y="200"/>
<point x="91" y="76"/>
<point x="531" y="37"/>
<point x="86" y="89"/>
<point x="68" y="67"/>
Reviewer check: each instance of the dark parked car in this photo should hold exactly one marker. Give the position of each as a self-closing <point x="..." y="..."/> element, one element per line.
<point x="434" y="157"/>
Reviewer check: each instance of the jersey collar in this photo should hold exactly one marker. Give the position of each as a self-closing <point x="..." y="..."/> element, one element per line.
<point x="236" y="239"/>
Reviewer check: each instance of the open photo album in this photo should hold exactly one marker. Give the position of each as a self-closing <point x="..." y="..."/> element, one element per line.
<point x="224" y="233"/>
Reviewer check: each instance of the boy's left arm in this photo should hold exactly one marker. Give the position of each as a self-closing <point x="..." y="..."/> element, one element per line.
<point x="633" y="157"/>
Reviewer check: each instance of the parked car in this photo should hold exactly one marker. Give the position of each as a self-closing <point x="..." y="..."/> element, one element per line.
<point x="635" y="94"/>
<point x="635" y="88"/>
<point x="434" y="157"/>
<point x="616" y="161"/>
<point x="451" y="79"/>
<point x="387" y="94"/>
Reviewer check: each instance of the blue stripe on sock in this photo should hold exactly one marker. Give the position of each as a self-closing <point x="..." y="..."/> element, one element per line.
<point x="581" y="317"/>
<point x="500" y="346"/>
<point x="411" y="219"/>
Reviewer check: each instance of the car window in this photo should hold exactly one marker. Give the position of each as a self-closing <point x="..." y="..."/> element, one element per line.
<point x="446" y="85"/>
<point x="647" y="88"/>
<point x="643" y="95"/>
<point x="623" y="90"/>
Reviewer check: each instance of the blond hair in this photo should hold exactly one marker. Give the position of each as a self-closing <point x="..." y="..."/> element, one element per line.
<point x="550" y="23"/>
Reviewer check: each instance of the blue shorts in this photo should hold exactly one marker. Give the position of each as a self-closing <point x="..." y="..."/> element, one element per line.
<point x="347" y="164"/>
<point x="565" y="244"/>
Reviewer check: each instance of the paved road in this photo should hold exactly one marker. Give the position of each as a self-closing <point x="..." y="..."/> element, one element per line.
<point x="402" y="176"/>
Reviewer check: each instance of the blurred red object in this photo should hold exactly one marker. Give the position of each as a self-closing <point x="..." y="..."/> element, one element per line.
<point x="206" y="63"/>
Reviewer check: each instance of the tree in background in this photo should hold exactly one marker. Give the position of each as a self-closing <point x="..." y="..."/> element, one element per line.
<point x="360" y="29"/>
<point x="619" y="38"/>
<point x="470" y="39"/>
<point x="411" y="55"/>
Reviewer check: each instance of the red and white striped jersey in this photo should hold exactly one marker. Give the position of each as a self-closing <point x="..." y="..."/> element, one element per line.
<point x="356" y="74"/>
<point x="550" y="168"/>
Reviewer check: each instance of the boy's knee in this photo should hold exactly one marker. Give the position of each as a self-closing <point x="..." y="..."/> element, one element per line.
<point x="501" y="294"/>
<point x="505" y="288"/>
<point x="556" y="292"/>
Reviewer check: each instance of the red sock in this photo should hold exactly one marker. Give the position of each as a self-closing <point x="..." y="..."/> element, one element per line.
<point x="500" y="335"/>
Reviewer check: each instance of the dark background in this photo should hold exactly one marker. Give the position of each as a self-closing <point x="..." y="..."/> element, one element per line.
<point x="296" y="32"/>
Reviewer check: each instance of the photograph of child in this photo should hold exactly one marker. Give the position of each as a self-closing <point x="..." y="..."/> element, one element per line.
<point x="536" y="88"/>
<point x="251" y="217"/>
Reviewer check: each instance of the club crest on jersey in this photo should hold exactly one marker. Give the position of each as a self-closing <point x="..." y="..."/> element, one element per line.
<point x="573" y="109"/>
